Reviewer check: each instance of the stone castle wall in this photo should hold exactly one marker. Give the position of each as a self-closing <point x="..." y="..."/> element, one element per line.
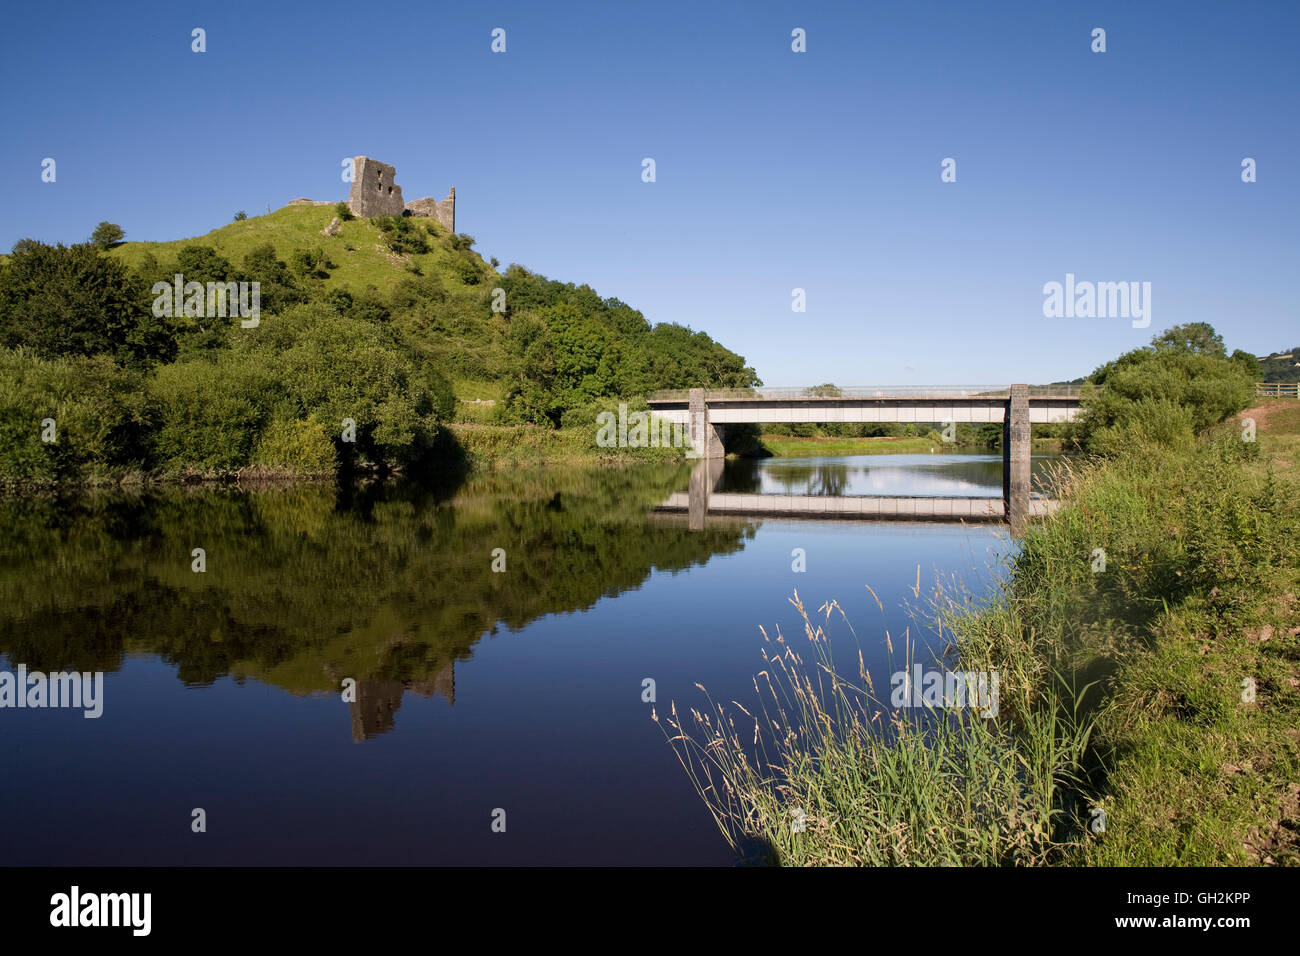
<point x="444" y="211"/>
<point x="374" y="191"/>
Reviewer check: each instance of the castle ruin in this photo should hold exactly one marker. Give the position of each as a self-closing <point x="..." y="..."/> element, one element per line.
<point x="375" y="192"/>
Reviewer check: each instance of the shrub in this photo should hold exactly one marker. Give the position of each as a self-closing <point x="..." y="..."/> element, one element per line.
<point x="401" y="237"/>
<point x="240" y="216"/>
<point x="297" y="447"/>
<point x="211" y="413"/>
<point x="344" y="212"/>
<point x="1146" y="422"/>
<point x="101" y="418"/>
<point x="1179" y="385"/>
<point x="467" y="271"/>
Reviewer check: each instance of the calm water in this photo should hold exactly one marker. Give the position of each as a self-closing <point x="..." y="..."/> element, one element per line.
<point x="477" y="690"/>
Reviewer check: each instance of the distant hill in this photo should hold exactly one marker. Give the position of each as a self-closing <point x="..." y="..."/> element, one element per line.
<point x="1281" y="366"/>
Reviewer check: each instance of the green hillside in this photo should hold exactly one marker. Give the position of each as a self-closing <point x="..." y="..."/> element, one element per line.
<point x="360" y="254"/>
<point x="392" y="325"/>
<point x="1282" y="367"/>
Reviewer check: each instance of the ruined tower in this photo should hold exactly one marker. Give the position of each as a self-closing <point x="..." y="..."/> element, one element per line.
<point x="374" y="192"/>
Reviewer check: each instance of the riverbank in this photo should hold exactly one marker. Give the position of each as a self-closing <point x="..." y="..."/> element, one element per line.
<point x="795" y="446"/>
<point x="1146" y="646"/>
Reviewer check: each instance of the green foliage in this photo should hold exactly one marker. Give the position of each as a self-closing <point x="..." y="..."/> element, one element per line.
<point x="1282" y="367"/>
<point x="333" y="367"/>
<point x="211" y="414"/>
<point x="100" y="415"/>
<point x="1179" y="385"/>
<point x="60" y="300"/>
<point x="403" y="326"/>
<point x="344" y="212"/>
<point x="296" y="447"/>
<point x="402" y="238"/>
<point x="240" y="216"/>
<point x="107" y="235"/>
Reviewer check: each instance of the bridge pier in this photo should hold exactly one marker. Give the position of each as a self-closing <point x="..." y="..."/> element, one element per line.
<point x="706" y="438"/>
<point x="705" y="478"/>
<point x="1015" y="457"/>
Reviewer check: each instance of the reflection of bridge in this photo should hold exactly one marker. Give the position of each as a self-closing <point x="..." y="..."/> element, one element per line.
<point x="703" y="499"/>
<point x="1018" y="407"/>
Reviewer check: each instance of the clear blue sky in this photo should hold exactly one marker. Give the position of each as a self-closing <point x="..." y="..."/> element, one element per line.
<point x="775" y="170"/>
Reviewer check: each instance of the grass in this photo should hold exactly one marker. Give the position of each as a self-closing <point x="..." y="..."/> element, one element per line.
<point x="795" y="446"/>
<point x="1150" y="705"/>
<point x="505" y="446"/>
<point x="359" y="253"/>
<point x="828" y="777"/>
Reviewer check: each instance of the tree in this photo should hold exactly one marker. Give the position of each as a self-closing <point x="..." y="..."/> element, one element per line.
<point x="240" y="216"/>
<point x="107" y="235"/>
<point x="71" y="300"/>
<point x="1199" y="338"/>
<point x="1180" y="384"/>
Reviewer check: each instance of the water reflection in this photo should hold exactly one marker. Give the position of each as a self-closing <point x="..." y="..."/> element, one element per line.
<point x="309" y="585"/>
<point x="948" y="476"/>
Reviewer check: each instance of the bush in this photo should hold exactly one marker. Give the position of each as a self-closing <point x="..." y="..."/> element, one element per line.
<point x="212" y="413"/>
<point x="299" y="447"/>
<point x="1147" y="422"/>
<point x="101" y="418"/>
<point x="467" y="271"/>
<point x="1179" y="385"/>
<point x="401" y="237"/>
<point x="240" y="216"/>
<point x="332" y="367"/>
<point x="344" y="212"/>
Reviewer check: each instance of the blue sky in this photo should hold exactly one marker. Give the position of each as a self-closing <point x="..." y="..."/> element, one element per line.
<point x="775" y="170"/>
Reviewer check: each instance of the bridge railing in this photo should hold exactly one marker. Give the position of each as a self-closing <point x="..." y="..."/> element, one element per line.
<point x="1277" y="389"/>
<point x="768" y="393"/>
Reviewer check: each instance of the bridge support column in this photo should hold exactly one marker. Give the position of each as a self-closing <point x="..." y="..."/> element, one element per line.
<point x="706" y="438"/>
<point x="705" y="478"/>
<point x="1015" y="458"/>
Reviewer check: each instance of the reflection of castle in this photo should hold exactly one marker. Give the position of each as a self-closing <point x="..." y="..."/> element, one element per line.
<point x="377" y="700"/>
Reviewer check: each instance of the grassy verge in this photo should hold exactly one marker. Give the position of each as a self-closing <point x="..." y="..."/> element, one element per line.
<point x="497" y="446"/>
<point x="1147" y="643"/>
<point x="794" y="446"/>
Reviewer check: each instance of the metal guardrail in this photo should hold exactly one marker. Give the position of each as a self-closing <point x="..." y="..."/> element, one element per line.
<point x="997" y="392"/>
<point x="1277" y="390"/>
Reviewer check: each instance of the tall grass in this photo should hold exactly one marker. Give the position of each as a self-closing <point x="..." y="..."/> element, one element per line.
<point x="1121" y="637"/>
<point x="820" y="772"/>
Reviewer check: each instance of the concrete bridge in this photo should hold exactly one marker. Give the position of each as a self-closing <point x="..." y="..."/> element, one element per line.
<point x="706" y="414"/>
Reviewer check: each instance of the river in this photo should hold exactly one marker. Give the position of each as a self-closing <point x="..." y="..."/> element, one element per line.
<point x="510" y="694"/>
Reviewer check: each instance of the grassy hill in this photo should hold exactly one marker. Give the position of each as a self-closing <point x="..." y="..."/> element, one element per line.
<point x="361" y="258"/>
<point x="360" y="254"/>
<point x="370" y="342"/>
